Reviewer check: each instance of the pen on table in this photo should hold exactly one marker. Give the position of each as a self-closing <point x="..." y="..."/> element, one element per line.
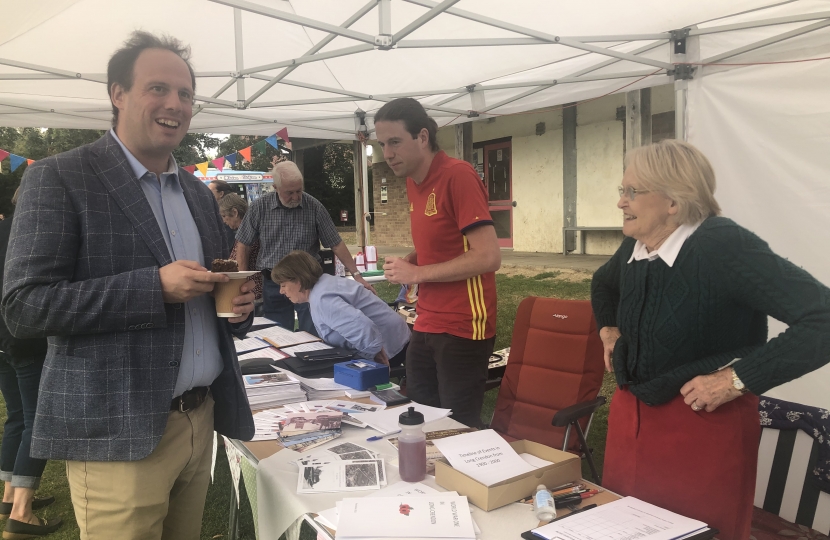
<point x="379" y="437"/>
<point x="574" y="489"/>
<point x="584" y="492"/>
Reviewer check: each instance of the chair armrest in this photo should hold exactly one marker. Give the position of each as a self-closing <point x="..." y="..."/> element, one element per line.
<point x="575" y="412"/>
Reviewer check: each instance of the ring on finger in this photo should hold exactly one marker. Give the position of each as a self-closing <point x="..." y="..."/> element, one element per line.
<point x="695" y="407"/>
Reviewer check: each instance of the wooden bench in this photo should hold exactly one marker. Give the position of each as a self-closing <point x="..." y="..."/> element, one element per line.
<point x="581" y="230"/>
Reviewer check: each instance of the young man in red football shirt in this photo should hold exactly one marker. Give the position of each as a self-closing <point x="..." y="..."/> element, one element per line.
<point x="454" y="262"/>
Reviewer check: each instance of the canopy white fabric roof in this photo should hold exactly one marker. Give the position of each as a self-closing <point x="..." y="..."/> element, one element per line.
<point x="266" y="64"/>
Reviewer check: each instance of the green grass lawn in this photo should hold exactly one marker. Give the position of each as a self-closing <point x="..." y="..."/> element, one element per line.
<point x="511" y="291"/>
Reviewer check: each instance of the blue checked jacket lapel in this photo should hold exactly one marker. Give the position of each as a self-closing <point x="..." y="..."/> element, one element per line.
<point x="117" y="176"/>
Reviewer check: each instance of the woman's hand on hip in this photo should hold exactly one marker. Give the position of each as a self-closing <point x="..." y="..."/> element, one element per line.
<point x="710" y="391"/>
<point x="609" y="336"/>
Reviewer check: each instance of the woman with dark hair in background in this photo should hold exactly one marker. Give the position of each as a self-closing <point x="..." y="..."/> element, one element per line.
<point x="21" y="363"/>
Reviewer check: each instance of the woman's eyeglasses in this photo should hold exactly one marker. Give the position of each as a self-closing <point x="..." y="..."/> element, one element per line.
<point x="630" y="193"/>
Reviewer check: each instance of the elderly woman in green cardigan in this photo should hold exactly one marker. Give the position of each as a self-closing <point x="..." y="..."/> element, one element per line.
<point x="682" y="309"/>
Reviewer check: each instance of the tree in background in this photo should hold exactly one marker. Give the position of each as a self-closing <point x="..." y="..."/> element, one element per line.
<point x="35" y="143"/>
<point x="329" y="176"/>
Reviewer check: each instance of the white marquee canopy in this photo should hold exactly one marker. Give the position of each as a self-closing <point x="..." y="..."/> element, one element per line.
<point x="318" y="66"/>
<point x="313" y="65"/>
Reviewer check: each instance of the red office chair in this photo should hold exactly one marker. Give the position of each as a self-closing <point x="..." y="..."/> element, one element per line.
<point x="555" y="370"/>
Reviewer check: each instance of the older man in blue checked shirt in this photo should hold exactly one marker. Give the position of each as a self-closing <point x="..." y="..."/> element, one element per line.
<point x="285" y="220"/>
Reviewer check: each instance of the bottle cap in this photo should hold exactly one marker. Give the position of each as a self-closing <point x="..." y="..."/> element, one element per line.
<point x="540" y="487"/>
<point x="411" y="418"/>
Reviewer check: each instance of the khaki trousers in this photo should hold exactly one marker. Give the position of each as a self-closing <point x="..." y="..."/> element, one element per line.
<point x="161" y="497"/>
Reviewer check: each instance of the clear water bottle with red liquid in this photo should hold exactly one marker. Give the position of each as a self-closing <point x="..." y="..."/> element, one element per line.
<point x="412" y="446"/>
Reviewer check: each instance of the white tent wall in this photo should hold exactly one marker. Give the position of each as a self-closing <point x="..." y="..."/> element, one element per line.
<point x="766" y="130"/>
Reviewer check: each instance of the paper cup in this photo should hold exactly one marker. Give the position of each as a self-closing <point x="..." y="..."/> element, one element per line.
<point x="223" y="295"/>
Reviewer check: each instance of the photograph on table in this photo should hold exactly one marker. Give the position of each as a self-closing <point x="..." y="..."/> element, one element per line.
<point x="304" y="423"/>
<point x="338" y="476"/>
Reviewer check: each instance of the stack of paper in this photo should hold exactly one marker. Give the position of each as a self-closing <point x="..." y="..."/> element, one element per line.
<point x="270" y="352"/>
<point x="443" y="516"/>
<point x="248" y="344"/>
<point x="318" y="389"/>
<point x="624" y="518"/>
<point x="269" y="390"/>
<point x="386" y="421"/>
<point x="344" y="467"/>
<point x="281" y="337"/>
<point x="306" y="347"/>
<point x="267" y="424"/>
<point x="302" y="430"/>
<point x="262" y="322"/>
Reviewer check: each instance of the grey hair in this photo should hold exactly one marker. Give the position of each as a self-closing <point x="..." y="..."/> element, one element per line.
<point x="232" y="201"/>
<point x="287" y="170"/>
<point x="680" y="172"/>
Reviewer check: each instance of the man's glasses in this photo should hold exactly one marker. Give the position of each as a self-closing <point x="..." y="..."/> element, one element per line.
<point x="630" y="193"/>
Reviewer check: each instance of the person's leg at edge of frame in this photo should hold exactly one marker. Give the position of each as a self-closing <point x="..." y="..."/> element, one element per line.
<point x="276" y="306"/>
<point x="462" y="375"/>
<point x="421" y="373"/>
<point x="27" y="470"/>
<point x="134" y="497"/>
<point x="13" y="428"/>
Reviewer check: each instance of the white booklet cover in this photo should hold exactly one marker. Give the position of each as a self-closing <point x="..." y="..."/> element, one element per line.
<point x="484" y="456"/>
<point x="405" y="517"/>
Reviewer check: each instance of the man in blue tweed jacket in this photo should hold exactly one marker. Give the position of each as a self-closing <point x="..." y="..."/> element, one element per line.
<point x="107" y="258"/>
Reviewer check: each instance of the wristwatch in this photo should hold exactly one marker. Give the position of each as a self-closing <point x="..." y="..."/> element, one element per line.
<point x="355" y="274"/>
<point x="738" y="384"/>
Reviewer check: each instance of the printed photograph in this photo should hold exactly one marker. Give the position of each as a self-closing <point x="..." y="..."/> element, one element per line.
<point x="311" y="476"/>
<point x="361" y="475"/>
<point x="346" y="448"/>
<point x="301" y="423"/>
<point x="266" y="379"/>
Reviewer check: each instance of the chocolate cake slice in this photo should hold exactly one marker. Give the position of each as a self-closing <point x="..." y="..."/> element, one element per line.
<point x="224" y="265"/>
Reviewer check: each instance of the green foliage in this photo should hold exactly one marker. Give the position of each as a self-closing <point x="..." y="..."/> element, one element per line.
<point x="194" y="148"/>
<point x="546" y="275"/>
<point x="35" y="143"/>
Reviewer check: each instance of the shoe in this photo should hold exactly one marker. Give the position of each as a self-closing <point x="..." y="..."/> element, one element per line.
<point x="6" y="508"/>
<point x="17" y="530"/>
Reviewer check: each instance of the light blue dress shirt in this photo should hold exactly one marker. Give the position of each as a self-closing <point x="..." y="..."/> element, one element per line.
<point x="347" y="315"/>
<point x="201" y="360"/>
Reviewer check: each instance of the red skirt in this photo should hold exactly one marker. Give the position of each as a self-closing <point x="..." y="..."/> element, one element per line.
<point x="698" y="464"/>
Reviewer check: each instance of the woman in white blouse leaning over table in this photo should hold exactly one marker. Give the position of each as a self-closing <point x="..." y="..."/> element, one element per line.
<point x="345" y="313"/>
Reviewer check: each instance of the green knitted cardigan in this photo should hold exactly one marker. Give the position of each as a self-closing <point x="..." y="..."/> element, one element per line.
<point x="708" y="309"/>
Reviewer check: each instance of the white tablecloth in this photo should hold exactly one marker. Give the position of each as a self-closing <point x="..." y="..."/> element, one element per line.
<point x="280" y="505"/>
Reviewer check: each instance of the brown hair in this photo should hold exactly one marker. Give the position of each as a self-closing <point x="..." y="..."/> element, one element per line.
<point x="232" y="201"/>
<point x="298" y="266"/>
<point x="680" y="172"/>
<point x="122" y="63"/>
<point x="223" y="187"/>
<point x="414" y="118"/>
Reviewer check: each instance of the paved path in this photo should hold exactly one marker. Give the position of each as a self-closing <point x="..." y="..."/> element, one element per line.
<point x="587" y="263"/>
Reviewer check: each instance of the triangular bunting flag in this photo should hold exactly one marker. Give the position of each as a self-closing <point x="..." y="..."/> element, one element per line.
<point x="190" y="168"/>
<point x="272" y="140"/>
<point x="3" y="155"/>
<point x="202" y="168"/>
<point x="283" y="134"/>
<point x="260" y="147"/>
<point x="219" y="162"/>
<point x="246" y="153"/>
<point x="17" y="161"/>
<point x="231" y="158"/>
<point x="29" y="161"/>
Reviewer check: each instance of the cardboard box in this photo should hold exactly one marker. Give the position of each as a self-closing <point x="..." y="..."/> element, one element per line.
<point x="566" y="468"/>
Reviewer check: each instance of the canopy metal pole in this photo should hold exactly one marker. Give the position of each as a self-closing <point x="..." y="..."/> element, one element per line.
<point x="323" y="42"/>
<point x="364" y="171"/>
<point x="680" y="88"/>
<point x="359" y="221"/>
<point x="759" y="24"/>
<point x="240" y="65"/>
<point x="768" y="41"/>
<point x="569" y="42"/>
<point x="297" y="19"/>
<point x="423" y="19"/>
